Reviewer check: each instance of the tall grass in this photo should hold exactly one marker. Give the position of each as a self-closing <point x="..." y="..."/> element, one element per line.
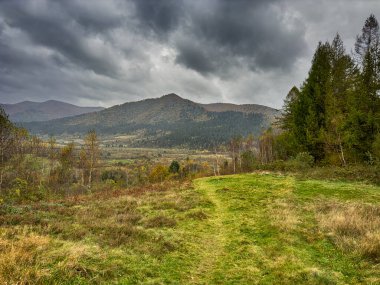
<point x="97" y="238"/>
<point x="354" y="227"/>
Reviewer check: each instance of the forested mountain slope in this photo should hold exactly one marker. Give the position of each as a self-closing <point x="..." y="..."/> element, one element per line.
<point x="166" y="121"/>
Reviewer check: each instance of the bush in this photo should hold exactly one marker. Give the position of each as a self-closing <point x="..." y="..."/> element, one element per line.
<point x="303" y="160"/>
<point x="376" y="148"/>
<point x="366" y="173"/>
<point x="174" y="167"/>
<point x="21" y="190"/>
<point x="158" y="173"/>
<point x="116" y="175"/>
<point x="247" y="160"/>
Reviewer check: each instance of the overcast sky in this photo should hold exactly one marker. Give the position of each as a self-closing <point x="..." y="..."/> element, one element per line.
<point x="109" y="52"/>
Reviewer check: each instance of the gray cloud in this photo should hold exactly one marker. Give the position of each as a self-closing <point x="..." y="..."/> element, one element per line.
<point x="51" y="25"/>
<point x="109" y="52"/>
<point x="252" y="30"/>
<point x="197" y="56"/>
<point x="218" y="34"/>
<point x="160" y="16"/>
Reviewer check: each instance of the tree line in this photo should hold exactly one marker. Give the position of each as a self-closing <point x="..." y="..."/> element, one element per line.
<point x="33" y="169"/>
<point x="333" y="118"/>
<point x="29" y="165"/>
<point x="335" y="114"/>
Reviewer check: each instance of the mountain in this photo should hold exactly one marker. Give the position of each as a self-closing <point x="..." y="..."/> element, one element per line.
<point x="28" y="111"/>
<point x="269" y="112"/>
<point x="166" y="121"/>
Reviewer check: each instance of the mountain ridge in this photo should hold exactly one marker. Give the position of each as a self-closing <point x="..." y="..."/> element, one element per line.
<point x="30" y="111"/>
<point x="169" y="120"/>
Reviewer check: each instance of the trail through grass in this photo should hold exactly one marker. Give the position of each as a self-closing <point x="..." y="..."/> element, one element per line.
<point x="238" y="229"/>
<point x="265" y="231"/>
<point x="214" y="238"/>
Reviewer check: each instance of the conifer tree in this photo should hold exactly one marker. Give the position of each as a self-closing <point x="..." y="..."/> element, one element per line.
<point x="365" y="103"/>
<point x="310" y="112"/>
<point x="336" y="104"/>
<point x="287" y="118"/>
<point x="336" y="113"/>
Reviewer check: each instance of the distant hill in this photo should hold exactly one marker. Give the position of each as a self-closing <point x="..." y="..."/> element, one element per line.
<point x="166" y="121"/>
<point x="28" y="111"/>
<point x="269" y="112"/>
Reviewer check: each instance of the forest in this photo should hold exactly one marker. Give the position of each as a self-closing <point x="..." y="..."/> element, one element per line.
<point x="335" y="114"/>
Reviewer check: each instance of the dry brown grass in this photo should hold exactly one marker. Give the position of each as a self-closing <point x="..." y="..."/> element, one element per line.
<point x="283" y="215"/>
<point x="354" y="227"/>
<point x="161" y="221"/>
<point x="74" y="240"/>
<point x="18" y="259"/>
<point x="29" y="258"/>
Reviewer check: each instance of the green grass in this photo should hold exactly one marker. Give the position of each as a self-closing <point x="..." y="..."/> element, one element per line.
<point x="271" y="235"/>
<point x="144" y="237"/>
<point x="239" y="229"/>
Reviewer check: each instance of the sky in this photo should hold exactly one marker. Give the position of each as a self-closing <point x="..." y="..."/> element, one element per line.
<point x="102" y="53"/>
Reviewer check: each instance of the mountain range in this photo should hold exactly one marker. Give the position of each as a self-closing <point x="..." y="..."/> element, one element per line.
<point x="28" y="111"/>
<point x="167" y="121"/>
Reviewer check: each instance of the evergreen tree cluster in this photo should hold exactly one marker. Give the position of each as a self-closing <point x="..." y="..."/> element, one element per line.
<point x="335" y="115"/>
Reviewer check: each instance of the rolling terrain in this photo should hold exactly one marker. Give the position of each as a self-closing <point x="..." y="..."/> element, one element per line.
<point x="237" y="229"/>
<point x="166" y="122"/>
<point x="28" y="111"/>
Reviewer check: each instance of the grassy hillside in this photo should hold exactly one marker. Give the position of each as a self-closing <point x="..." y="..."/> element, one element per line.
<point x="241" y="229"/>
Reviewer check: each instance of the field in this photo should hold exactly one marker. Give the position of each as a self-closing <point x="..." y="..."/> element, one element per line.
<point x="241" y="229"/>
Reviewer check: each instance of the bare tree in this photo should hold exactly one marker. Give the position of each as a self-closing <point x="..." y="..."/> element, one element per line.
<point x="91" y="146"/>
<point x="52" y="152"/>
<point x="239" y="145"/>
<point x="82" y="164"/>
<point x="216" y="167"/>
<point x="232" y="149"/>
<point x="249" y="141"/>
<point x="266" y="146"/>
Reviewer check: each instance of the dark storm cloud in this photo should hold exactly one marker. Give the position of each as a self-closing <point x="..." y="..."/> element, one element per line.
<point x="107" y="52"/>
<point x="254" y="32"/>
<point x="194" y="57"/>
<point x="96" y="17"/>
<point x="251" y="30"/>
<point x="160" y="16"/>
<point x="61" y="28"/>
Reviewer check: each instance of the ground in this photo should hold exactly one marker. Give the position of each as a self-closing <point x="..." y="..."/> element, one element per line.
<point x="239" y="229"/>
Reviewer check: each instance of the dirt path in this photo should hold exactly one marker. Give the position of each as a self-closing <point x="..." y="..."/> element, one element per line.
<point x="214" y="240"/>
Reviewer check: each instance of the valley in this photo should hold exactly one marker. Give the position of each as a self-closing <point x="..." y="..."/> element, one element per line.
<point x="168" y="121"/>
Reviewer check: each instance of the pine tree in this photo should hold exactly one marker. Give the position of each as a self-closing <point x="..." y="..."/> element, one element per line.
<point x="287" y="119"/>
<point x="310" y="111"/>
<point x="336" y="104"/>
<point x="365" y="103"/>
<point x="336" y="113"/>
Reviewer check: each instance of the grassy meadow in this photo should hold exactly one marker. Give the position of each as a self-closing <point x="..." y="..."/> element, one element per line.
<point x="257" y="228"/>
